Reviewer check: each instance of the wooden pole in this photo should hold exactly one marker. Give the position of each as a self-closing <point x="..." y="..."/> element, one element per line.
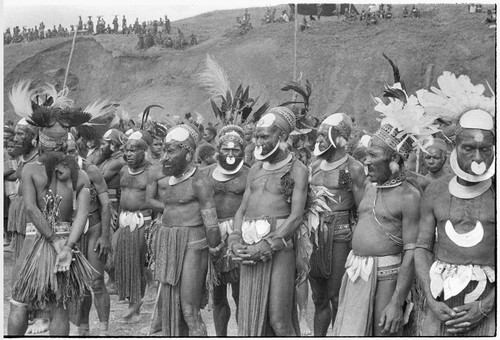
<point x="69" y="60"/>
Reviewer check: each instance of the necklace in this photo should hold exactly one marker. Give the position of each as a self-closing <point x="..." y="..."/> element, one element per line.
<point x="270" y="167"/>
<point x="138" y="172"/>
<point x="393" y="182"/>
<point x="30" y="157"/>
<point x="222" y="175"/>
<point x="185" y="175"/>
<point x="468" y="192"/>
<point x="327" y="166"/>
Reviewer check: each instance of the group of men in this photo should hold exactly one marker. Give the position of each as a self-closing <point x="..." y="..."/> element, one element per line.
<point x="366" y="236"/>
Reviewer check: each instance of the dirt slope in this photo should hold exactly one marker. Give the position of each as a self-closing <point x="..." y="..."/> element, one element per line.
<point x="343" y="61"/>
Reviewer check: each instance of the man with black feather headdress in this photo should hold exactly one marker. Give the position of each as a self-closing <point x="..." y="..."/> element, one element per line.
<point x="50" y="273"/>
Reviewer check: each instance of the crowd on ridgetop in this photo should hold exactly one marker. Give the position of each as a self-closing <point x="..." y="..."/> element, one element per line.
<point x="151" y="32"/>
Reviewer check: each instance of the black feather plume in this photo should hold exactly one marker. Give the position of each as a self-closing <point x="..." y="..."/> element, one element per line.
<point x="145" y="114"/>
<point x="395" y="71"/>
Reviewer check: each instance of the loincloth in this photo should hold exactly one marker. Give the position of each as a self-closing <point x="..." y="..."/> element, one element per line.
<point x="129" y="259"/>
<point x="255" y="281"/>
<point x="357" y="293"/>
<point x="36" y="285"/>
<point x="335" y="227"/>
<point x="171" y="244"/>
<point x="227" y="270"/>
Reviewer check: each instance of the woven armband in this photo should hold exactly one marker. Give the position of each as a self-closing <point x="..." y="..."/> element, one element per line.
<point x="209" y="217"/>
<point x="409" y="246"/>
<point x="425" y="245"/>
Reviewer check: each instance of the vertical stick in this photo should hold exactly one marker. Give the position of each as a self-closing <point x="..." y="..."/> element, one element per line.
<point x="295" y="43"/>
<point x="69" y="61"/>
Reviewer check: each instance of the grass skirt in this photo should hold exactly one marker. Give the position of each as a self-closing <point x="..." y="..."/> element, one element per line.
<point x="17" y="215"/>
<point x="129" y="264"/>
<point x="38" y="286"/>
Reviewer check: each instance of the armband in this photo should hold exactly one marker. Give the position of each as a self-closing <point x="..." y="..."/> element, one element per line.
<point x="209" y="217"/>
<point x="425" y="245"/>
<point x="51" y="238"/>
<point x="409" y="246"/>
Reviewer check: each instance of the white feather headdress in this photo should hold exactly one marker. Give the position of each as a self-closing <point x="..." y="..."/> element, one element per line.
<point x="455" y="96"/>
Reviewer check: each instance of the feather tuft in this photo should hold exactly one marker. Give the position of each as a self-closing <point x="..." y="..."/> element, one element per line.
<point x="214" y="79"/>
<point x="20" y="98"/>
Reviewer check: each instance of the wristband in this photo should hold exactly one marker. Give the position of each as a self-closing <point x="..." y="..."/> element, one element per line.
<point x="51" y="238"/>
<point x="409" y="246"/>
<point x="209" y="217"/>
<point x="425" y="245"/>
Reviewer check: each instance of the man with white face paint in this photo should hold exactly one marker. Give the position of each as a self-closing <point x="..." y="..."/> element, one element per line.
<point x="187" y="229"/>
<point x="264" y="229"/>
<point x="228" y="178"/>
<point x="459" y="279"/>
<point x="336" y="179"/>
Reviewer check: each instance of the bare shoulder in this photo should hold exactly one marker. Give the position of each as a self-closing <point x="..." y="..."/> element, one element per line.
<point x="408" y="191"/>
<point x="200" y="180"/>
<point x="155" y="172"/>
<point x="32" y="167"/>
<point x="355" y="166"/>
<point x="436" y="189"/>
<point x="299" y="170"/>
<point x="83" y="180"/>
<point x="206" y="171"/>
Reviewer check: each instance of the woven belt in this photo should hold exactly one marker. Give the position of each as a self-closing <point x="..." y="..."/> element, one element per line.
<point x="61" y="228"/>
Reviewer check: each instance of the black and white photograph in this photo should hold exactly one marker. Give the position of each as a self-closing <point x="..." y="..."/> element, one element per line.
<point x="249" y="168"/>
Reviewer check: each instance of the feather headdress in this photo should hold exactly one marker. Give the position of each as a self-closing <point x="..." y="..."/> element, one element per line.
<point x="405" y="122"/>
<point x="104" y="117"/>
<point x="455" y="97"/>
<point x="232" y="109"/>
<point x="301" y="113"/>
<point x="155" y="129"/>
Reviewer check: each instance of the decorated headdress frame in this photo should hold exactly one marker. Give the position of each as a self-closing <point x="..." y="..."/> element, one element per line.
<point x="155" y="129"/>
<point x="184" y="143"/>
<point x="405" y="122"/>
<point x="232" y="133"/>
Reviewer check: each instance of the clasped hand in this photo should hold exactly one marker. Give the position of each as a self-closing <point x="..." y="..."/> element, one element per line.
<point x="459" y="319"/>
<point x="64" y="255"/>
<point x="251" y="254"/>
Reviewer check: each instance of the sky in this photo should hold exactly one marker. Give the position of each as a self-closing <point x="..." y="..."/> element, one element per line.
<point x="54" y="12"/>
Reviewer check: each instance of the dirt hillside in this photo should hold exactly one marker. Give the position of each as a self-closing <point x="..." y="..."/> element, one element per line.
<point x="342" y="60"/>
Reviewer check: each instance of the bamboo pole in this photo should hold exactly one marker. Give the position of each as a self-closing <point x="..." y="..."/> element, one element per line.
<point x="69" y="60"/>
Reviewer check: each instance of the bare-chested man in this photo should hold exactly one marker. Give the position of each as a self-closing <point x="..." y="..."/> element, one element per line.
<point x="228" y="177"/>
<point x="264" y="228"/>
<point x="458" y="273"/>
<point x="188" y="227"/>
<point x="110" y="167"/>
<point x="379" y="268"/>
<point x="435" y="159"/>
<point x="135" y="216"/>
<point x="155" y="151"/>
<point x="336" y="179"/>
<point x="95" y="244"/>
<point x="31" y="291"/>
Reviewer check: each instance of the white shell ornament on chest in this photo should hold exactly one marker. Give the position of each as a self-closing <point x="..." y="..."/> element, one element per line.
<point x="465" y="240"/>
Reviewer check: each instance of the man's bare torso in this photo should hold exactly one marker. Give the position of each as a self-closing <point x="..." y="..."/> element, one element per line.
<point x="133" y="190"/>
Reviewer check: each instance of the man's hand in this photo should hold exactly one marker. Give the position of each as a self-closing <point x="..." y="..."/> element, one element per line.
<point x="260" y="251"/>
<point x="465" y="322"/>
<point x="391" y="319"/>
<point x="58" y="244"/>
<point x="238" y="249"/>
<point x="63" y="260"/>
<point x="103" y="246"/>
<point x="442" y="311"/>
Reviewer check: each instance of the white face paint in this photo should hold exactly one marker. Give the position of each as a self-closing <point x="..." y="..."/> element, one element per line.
<point x="257" y="152"/>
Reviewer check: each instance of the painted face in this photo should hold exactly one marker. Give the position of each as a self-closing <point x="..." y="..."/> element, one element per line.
<point x="475" y="151"/>
<point x="377" y="162"/>
<point x="175" y="159"/>
<point x="435" y="159"/>
<point x="157" y="147"/>
<point x="231" y="154"/>
<point x="135" y="153"/>
<point x="267" y="142"/>
<point x="23" y="142"/>
<point x="7" y="136"/>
